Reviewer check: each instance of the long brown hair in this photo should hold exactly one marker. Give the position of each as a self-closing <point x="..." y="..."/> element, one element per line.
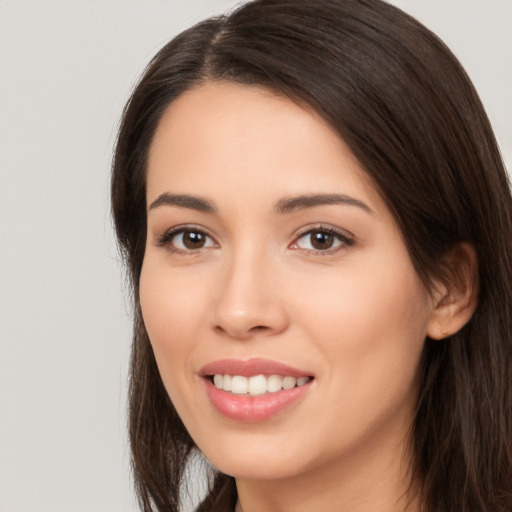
<point x="404" y="105"/>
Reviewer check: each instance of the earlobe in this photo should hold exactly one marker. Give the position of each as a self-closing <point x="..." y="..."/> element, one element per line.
<point x="455" y="297"/>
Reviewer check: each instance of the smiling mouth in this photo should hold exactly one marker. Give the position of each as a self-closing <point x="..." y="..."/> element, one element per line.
<point x="256" y="385"/>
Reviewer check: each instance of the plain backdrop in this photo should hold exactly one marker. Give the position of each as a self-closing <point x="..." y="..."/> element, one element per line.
<point x="66" y="70"/>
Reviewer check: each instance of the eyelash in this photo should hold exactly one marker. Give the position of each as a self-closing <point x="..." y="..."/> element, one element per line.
<point x="343" y="237"/>
<point x="346" y="241"/>
<point x="165" y="239"/>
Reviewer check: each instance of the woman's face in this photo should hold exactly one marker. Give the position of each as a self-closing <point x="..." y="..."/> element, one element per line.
<point x="272" y="259"/>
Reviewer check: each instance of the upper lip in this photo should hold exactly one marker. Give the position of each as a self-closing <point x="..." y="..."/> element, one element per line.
<point x="250" y="367"/>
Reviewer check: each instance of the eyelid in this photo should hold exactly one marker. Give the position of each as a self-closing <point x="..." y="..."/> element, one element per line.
<point x="163" y="239"/>
<point x="344" y="236"/>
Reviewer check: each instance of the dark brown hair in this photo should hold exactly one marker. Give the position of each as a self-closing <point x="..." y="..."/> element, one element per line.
<point x="404" y="105"/>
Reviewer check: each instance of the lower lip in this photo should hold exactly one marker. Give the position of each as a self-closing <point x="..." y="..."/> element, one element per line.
<point x="253" y="408"/>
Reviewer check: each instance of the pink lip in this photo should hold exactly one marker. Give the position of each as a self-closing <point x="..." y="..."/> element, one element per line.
<point x="251" y="367"/>
<point x="252" y="408"/>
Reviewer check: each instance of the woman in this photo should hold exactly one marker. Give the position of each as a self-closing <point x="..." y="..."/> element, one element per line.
<point x="316" y="222"/>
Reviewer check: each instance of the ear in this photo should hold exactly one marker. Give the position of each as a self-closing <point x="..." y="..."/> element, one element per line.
<point x="455" y="295"/>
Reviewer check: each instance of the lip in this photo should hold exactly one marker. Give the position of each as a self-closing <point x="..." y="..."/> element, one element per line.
<point x="251" y="367"/>
<point x="252" y="408"/>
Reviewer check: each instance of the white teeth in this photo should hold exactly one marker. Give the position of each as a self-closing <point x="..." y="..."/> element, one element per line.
<point x="226" y="383"/>
<point x="217" y="380"/>
<point x="289" y="382"/>
<point x="301" y="380"/>
<point x="239" y="385"/>
<point x="274" y="383"/>
<point x="256" y="385"/>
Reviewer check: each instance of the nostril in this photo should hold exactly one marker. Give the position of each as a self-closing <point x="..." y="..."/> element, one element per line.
<point x="242" y="333"/>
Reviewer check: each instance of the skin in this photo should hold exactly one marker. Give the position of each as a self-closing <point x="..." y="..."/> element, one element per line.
<point x="355" y="316"/>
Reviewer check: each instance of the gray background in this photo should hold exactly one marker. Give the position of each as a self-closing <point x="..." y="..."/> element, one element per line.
<point x="66" y="69"/>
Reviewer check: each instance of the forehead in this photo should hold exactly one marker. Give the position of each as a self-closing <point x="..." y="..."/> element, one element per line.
<point x="249" y="139"/>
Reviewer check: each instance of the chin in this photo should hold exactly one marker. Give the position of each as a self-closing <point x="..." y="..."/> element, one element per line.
<point x="262" y="468"/>
<point x="259" y="457"/>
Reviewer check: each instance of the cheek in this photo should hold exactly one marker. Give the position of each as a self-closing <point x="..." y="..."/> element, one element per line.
<point x="171" y="302"/>
<point x="173" y="315"/>
<point x="371" y="326"/>
<point x="363" y="302"/>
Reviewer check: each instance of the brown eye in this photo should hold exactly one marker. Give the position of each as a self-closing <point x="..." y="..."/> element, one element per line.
<point x="189" y="240"/>
<point x="322" y="240"/>
<point x="193" y="239"/>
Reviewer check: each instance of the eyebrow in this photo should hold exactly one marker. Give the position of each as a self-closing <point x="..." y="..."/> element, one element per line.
<point x="183" y="201"/>
<point x="295" y="203"/>
<point x="283" y="206"/>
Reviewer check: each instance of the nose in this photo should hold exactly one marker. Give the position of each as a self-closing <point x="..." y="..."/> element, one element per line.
<point x="249" y="302"/>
